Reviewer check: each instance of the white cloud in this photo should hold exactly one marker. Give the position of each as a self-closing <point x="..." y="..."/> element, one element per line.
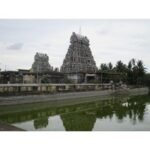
<point x="15" y="46"/>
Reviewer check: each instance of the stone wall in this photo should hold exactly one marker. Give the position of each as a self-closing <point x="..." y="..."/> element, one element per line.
<point x="19" y="89"/>
<point x="102" y="92"/>
<point x="28" y="78"/>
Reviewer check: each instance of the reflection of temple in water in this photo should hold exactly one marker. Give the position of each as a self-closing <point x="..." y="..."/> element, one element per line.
<point x="82" y="117"/>
<point x="41" y="123"/>
<point x="78" y="121"/>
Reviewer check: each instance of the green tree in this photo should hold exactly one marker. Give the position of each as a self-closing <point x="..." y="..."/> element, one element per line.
<point x="141" y="68"/>
<point x="104" y="67"/>
<point x="136" y="72"/>
<point x="110" y="66"/>
<point x="121" y="67"/>
<point x="130" y="65"/>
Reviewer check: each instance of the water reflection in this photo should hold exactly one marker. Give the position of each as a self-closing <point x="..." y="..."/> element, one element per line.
<point x="41" y="123"/>
<point x="115" y="114"/>
<point x="78" y="121"/>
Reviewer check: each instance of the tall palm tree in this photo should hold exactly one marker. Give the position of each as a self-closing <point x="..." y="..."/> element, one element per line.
<point x="110" y="66"/>
<point x="130" y="65"/>
<point x="141" y="68"/>
<point x="104" y="67"/>
<point x="136" y="71"/>
<point x="121" y="67"/>
<point x="133" y="62"/>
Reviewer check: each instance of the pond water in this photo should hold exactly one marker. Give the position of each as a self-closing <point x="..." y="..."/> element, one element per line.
<point x="116" y="114"/>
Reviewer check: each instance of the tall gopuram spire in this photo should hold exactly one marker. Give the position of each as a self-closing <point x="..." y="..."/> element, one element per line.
<point x="79" y="58"/>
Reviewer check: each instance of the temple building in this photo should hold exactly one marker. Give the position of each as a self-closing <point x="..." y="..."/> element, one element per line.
<point x="78" y="67"/>
<point x="79" y="60"/>
<point x="41" y="63"/>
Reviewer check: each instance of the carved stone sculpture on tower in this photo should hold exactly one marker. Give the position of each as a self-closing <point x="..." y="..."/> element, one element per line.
<point x="41" y="63"/>
<point x="79" y="57"/>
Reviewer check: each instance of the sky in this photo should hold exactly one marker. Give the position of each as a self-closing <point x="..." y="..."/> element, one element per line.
<point x="110" y="40"/>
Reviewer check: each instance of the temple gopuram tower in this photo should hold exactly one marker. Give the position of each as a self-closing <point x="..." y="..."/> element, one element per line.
<point x="79" y="59"/>
<point x="41" y="63"/>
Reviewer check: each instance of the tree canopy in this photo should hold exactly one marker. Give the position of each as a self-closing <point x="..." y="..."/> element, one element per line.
<point x="134" y="70"/>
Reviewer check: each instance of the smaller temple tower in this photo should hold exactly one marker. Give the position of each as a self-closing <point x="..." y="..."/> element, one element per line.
<point x="41" y="63"/>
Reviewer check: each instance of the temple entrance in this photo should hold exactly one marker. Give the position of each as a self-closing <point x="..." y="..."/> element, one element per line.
<point x="45" y="79"/>
<point x="90" y="78"/>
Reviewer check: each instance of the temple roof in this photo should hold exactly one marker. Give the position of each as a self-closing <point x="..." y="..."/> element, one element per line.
<point x="78" y="37"/>
<point x="41" y="54"/>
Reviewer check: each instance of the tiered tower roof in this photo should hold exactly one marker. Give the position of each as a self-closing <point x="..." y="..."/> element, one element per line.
<point x="79" y="57"/>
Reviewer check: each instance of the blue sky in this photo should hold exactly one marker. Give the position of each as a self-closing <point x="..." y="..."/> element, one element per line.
<point x="110" y="40"/>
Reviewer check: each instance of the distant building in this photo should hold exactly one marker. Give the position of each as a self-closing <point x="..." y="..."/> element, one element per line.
<point x="25" y="76"/>
<point x="23" y="71"/>
<point x="41" y="63"/>
<point x="7" y="77"/>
